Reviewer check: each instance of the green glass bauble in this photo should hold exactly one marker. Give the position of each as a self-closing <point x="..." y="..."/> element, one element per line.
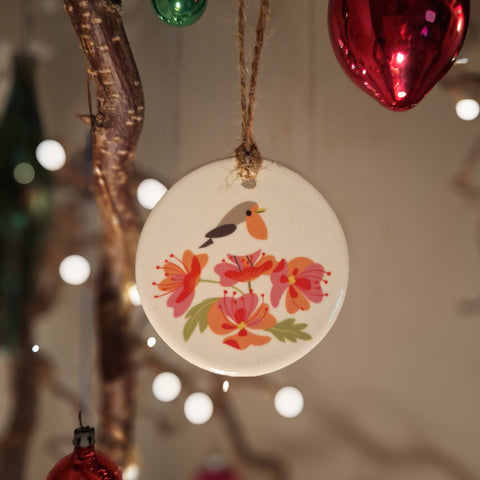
<point x="179" y="13"/>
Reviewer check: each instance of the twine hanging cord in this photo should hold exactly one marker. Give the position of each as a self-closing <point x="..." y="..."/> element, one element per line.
<point x="249" y="160"/>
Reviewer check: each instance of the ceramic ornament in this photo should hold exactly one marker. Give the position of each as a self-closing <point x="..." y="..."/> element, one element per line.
<point x="242" y="281"/>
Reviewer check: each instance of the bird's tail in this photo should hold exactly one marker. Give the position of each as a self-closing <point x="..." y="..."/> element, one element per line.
<point x="206" y="244"/>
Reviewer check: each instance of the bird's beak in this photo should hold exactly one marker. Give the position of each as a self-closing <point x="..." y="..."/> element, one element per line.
<point x="261" y="210"/>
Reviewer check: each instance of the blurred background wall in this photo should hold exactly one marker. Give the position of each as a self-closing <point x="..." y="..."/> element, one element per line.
<point x="393" y="391"/>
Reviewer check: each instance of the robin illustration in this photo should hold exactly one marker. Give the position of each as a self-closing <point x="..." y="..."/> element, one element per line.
<point x="244" y="212"/>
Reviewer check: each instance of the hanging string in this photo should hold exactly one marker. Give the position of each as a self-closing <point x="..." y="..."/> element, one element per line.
<point x="249" y="160"/>
<point x="26" y="26"/>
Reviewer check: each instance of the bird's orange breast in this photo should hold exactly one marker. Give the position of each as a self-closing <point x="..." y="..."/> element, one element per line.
<point x="256" y="226"/>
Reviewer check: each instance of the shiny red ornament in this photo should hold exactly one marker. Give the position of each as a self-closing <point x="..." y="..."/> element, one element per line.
<point x="226" y="474"/>
<point x="84" y="463"/>
<point x="397" y="50"/>
<point x="217" y="468"/>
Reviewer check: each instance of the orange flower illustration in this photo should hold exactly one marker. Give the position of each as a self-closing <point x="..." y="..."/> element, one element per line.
<point x="302" y="279"/>
<point x="244" y="268"/>
<point x="181" y="279"/>
<point x="237" y="316"/>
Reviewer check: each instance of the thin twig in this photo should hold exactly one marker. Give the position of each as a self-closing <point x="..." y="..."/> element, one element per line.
<point x="246" y="453"/>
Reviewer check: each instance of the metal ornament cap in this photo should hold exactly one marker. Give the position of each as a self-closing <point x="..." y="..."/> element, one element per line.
<point x="84" y="437"/>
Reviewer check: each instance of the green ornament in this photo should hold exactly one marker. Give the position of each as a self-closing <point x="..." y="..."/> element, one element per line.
<point x="25" y="202"/>
<point x="179" y="13"/>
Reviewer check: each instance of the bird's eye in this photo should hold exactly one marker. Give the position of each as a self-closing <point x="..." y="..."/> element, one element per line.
<point x="248" y="213"/>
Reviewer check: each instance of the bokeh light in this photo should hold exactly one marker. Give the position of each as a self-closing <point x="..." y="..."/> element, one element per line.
<point x="24" y="173"/>
<point x="198" y="408"/>
<point x="50" y="155"/>
<point x="131" y="472"/>
<point x="467" y="109"/>
<point x="149" y="192"/>
<point x="74" y="269"/>
<point x="289" y="402"/>
<point x="133" y="295"/>
<point x="166" y="387"/>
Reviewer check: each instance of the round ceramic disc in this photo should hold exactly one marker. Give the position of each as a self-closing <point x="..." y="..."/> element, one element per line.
<point x="242" y="281"/>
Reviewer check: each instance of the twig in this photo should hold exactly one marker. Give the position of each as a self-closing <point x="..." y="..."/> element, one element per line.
<point x="14" y="445"/>
<point x="417" y="454"/>
<point x="240" y="443"/>
<point x="464" y="179"/>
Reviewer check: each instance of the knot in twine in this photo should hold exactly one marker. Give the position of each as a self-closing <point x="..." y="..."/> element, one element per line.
<point x="249" y="159"/>
<point x="249" y="163"/>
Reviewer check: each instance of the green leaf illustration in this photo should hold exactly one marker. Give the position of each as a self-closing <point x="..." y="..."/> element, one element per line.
<point x="197" y="315"/>
<point x="289" y="330"/>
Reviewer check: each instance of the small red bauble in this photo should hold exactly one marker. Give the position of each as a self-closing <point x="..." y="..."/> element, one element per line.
<point x="217" y="468"/>
<point x="219" y="475"/>
<point x="84" y="463"/>
<point x="397" y="50"/>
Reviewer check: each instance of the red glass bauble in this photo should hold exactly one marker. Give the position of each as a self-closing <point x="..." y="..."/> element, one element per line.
<point x="397" y="50"/>
<point x="216" y="468"/>
<point x="85" y="464"/>
<point x="225" y="474"/>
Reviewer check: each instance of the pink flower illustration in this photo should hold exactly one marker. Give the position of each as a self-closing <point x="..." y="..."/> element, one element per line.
<point x="181" y="279"/>
<point x="302" y="279"/>
<point x="244" y="268"/>
<point x="237" y="316"/>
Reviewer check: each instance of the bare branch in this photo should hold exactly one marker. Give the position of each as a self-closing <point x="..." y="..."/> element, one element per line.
<point x="116" y="128"/>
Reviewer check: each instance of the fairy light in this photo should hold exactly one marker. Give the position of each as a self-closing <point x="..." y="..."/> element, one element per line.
<point x="289" y="402"/>
<point x="24" y="173"/>
<point x="131" y="472"/>
<point x="467" y="109"/>
<point x="226" y="386"/>
<point x="133" y="295"/>
<point x="166" y="387"/>
<point x="198" y="408"/>
<point x="151" y="342"/>
<point x="35" y="348"/>
<point x="74" y="269"/>
<point x="149" y="192"/>
<point x="50" y="155"/>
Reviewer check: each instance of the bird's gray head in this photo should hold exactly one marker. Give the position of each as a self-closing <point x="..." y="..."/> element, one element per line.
<point x="238" y="214"/>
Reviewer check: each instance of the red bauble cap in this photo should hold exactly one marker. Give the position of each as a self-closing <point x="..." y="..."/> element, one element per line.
<point x="84" y="463"/>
